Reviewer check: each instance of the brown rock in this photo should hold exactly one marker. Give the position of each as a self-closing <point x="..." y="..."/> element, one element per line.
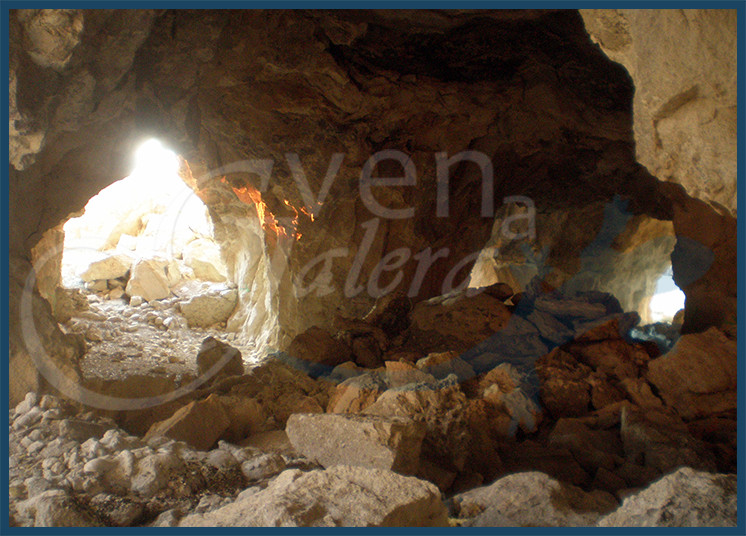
<point x="660" y="440"/>
<point x="246" y="417"/>
<point x="609" y="327"/>
<point x="501" y="291"/>
<point x="282" y="390"/>
<point x="399" y="374"/>
<point x="613" y="357"/>
<point x="591" y="448"/>
<point x="366" y="352"/>
<point x="698" y="376"/>
<point x="442" y="364"/>
<point x="442" y="409"/>
<point x="563" y="390"/>
<point x="217" y="358"/>
<point x="357" y="393"/>
<point x="200" y="424"/>
<point x="639" y="392"/>
<point x="457" y="322"/>
<point x="316" y="345"/>
<point x="603" y="392"/>
<point x="557" y="462"/>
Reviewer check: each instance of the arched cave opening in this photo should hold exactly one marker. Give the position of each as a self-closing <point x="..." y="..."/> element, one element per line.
<point x="438" y="252"/>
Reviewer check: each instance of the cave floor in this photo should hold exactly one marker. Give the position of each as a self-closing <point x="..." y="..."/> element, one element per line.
<point x="149" y="339"/>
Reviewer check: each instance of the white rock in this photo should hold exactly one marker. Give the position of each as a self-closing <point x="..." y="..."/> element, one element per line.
<point x="533" y="500"/>
<point x="148" y="280"/>
<point x="221" y="459"/>
<point x="208" y="309"/>
<point x="54" y="508"/>
<point x="26" y="404"/>
<point x="107" y="268"/>
<point x="263" y="466"/>
<point x="684" y="498"/>
<point x="339" y="496"/>
<point x="203" y="257"/>
<point x="29" y="418"/>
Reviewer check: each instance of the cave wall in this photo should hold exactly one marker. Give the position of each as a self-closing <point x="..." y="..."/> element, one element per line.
<point x="228" y="90"/>
<point x="683" y="63"/>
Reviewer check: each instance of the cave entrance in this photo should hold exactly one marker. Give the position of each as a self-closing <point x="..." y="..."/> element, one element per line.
<point x="144" y="276"/>
<point x="667" y="301"/>
<point x="151" y="214"/>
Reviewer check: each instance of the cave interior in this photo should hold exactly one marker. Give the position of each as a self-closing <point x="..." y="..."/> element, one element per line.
<point x="372" y="267"/>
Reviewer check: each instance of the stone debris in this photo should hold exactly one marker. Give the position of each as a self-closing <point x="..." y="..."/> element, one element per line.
<point x="391" y="443"/>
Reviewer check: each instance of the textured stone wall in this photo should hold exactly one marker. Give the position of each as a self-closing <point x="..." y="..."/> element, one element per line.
<point x="526" y="88"/>
<point x="683" y="63"/>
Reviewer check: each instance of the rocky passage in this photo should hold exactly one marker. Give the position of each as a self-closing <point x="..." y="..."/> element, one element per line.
<point x="124" y="339"/>
<point x="71" y="469"/>
<point x="385" y="423"/>
<point x="332" y="369"/>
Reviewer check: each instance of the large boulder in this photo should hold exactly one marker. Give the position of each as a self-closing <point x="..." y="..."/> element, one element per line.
<point x="341" y="496"/>
<point x="363" y="440"/>
<point x="149" y="280"/>
<point x="111" y="267"/>
<point x="661" y="441"/>
<point x="316" y="345"/>
<point x="210" y="308"/>
<point x="203" y="257"/>
<point x="442" y="408"/>
<point x="698" y="376"/>
<point x="684" y="498"/>
<point x="457" y="321"/>
<point x="199" y="424"/>
<point x="532" y="500"/>
<point x="355" y="394"/>
<point x="216" y="357"/>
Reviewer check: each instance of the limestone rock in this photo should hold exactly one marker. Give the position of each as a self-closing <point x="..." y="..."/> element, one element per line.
<point x="216" y="357"/>
<point x="199" y="424"/>
<point x="698" y="376"/>
<point x="55" y="508"/>
<point x="208" y="309"/>
<point x="111" y="267"/>
<point x="262" y="467"/>
<point x="442" y="408"/>
<point x="532" y="500"/>
<point x="685" y="92"/>
<point x="443" y="364"/>
<point x="355" y="394"/>
<point x="148" y="280"/>
<point x="368" y="441"/>
<point x="684" y="498"/>
<point x="203" y="257"/>
<point x="400" y="373"/>
<point x="339" y="496"/>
